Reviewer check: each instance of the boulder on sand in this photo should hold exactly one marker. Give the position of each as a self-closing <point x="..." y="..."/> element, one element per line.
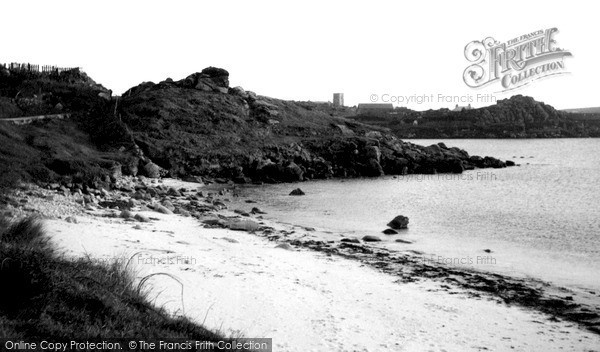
<point x="369" y="238"/>
<point x="161" y="209"/>
<point x="390" y="232"/>
<point x="297" y="192"/>
<point x="141" y="218"/>
<point x="399" y="222"/>
<point x="125" y="214"/>
<point x="152" y="170"/>
<point x="244" y="225"/>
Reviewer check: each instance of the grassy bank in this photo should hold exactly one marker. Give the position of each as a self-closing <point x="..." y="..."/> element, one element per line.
<point x="44" y="295"/>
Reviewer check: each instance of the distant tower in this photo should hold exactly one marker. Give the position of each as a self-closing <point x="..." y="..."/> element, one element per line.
<point x="338" y="99"/>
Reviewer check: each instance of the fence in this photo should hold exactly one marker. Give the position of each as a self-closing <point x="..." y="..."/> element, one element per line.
<point x="39" y="69"/>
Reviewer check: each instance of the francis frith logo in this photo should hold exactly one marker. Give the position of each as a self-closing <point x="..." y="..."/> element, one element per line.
<point x="516" y="62"/>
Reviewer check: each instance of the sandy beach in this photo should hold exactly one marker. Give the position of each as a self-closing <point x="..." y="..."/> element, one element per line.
<point x="243" y="284"/>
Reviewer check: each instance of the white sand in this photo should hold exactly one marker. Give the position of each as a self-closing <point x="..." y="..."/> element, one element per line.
<point x="307" y="301"/>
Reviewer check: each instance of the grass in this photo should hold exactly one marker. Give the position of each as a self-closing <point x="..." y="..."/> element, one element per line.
<point x="52" y="151"/>
<point x="81" y="149"/>
<point x="44" y="295"/>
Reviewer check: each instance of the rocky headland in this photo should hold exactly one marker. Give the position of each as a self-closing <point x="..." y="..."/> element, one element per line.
<point x="197" y="128"/>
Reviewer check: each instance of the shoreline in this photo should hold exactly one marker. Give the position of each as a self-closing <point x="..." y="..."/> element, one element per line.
<point x="546" y="302"/>
<point x="336" y="206"/>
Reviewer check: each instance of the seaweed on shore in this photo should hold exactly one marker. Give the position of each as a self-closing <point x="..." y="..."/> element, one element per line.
<point x="527" y="293"/>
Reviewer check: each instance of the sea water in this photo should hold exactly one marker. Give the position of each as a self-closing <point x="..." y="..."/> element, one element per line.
<point x="540" y="219"/>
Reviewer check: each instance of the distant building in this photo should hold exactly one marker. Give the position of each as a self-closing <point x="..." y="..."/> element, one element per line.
<point x="338" y="99"/>
<point x="375" y="109"/>
<point x="461" y="108"/>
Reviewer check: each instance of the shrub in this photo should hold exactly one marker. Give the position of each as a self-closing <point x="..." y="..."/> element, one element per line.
<point x="45" y="295"/>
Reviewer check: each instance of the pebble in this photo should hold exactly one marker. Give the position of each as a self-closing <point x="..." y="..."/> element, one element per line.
<point x="285" y="246"/>
<point x="161" y="209"/>
<point x="125" y="214"/>
<point x="370" y="238"/>
<point x="141" y="218"/>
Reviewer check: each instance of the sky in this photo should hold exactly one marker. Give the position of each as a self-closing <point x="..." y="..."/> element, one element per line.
<point x="372" y="51"/>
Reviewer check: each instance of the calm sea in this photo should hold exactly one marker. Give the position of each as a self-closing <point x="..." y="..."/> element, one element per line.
<point x="540" y="219"/>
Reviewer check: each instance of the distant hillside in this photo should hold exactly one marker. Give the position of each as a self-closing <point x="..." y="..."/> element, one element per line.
<point x="516" y="117"/>
<point x="594" y="110"/>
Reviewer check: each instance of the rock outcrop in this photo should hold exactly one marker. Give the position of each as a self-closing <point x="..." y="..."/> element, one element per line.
<point x="199" y="126"/>
<point x="399" y="222"/>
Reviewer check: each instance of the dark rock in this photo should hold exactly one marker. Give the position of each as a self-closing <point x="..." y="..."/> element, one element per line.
<point x="356" y="247"/>
<point x="297" y="192"/>
<point x="350" y="240"/>
<point x="399" y="240"/>
<point x="152" y="170"/>
<point x="390" y="232"/>
<point x="173" y="192"/>
<point x="217" y="75"/>
<point x="125" y="214"/>
<point x="115" y="171"/>
<point x="141" y="218"/>
<point x="161" y="209"/>
<point x="455" y="166"/>
<point x="373" y="152"/>
<point x="239" y="91"/>
<point x="126" y="189"/>
<point x="182" y="212"/>
<point x="243" y="225"/>
<point x="190" y="178"/>
<point x="219" y="204"/>
<point x="140" y="195"/>
<point x="256" y="210"/>
<point x="167" y="204"/>
<point x="373" y="168"/>
<point x="399" y="222"/>
<point x="293" y="173"/>
<point x="370" y="238"/>
<point x="215" y="222"/>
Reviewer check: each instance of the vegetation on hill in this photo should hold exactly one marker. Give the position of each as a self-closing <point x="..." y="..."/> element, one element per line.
<point x="201" y="126"/>
<point x="516" y="117"/>
<point x="87" y="149"/>
<point x="198" y="126"/>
